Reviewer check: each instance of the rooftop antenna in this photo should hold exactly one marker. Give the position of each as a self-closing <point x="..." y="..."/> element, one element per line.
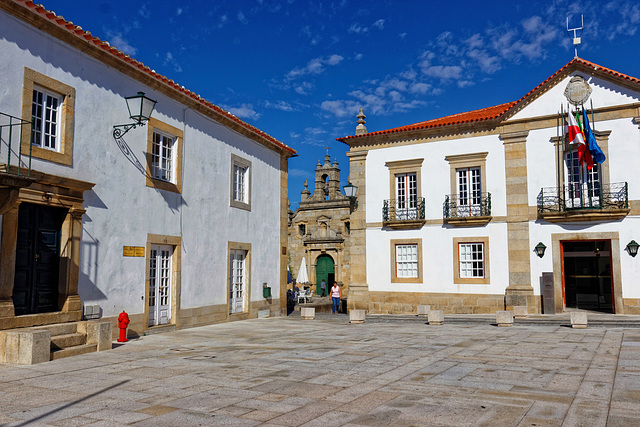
<point x="577" y="32"/>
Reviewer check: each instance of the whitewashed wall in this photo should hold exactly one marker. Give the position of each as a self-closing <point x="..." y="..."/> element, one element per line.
<point x="121" y="209"/>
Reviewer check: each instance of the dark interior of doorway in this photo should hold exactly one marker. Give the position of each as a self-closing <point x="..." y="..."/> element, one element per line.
<point x="588" y="283"/>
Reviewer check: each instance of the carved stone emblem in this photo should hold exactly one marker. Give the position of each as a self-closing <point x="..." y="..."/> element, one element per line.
<point x="577" y="91"/>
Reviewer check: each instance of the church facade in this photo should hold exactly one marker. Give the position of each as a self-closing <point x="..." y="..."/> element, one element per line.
<point x="320" y="230"/>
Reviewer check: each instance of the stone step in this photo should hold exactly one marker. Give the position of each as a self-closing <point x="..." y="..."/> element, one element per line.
<point x="160" y="329"/>
<point x="60" y="328"/>
<point x="73" y="351"/>
<point x="68" y="340"/>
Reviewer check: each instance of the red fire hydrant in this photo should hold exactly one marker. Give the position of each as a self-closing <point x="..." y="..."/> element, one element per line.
<point x="123" y="322"/>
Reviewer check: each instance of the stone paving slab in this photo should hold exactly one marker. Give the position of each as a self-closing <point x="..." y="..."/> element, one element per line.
<point x="327" y="372"/>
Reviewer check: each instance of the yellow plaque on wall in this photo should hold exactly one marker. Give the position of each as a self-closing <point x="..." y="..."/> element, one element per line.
<point x="136" y="251"/>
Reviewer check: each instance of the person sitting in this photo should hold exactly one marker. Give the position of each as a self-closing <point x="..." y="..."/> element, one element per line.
<point x="296" y="290"/>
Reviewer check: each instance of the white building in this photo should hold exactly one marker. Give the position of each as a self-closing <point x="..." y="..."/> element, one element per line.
<point x="180" y="222"/>
<point x="452" y="209"/>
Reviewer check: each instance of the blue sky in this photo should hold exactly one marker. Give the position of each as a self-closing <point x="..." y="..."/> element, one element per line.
<point x="299" y="70"/>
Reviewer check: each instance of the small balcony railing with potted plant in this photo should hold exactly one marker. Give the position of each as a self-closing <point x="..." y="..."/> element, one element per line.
<point x="466" y="211"/>
<point x="584" y="202"/>
<point x="403" y="214"/>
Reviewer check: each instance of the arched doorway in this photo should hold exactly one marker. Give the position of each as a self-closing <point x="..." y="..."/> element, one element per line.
<point x="325" y="270"/>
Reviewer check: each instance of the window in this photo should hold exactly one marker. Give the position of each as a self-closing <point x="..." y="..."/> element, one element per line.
<point x="405" y="190"/>
<point x="49" y="104"/>
<point x="583" y="185"/>
<point x="347" y="227"/>
<point x="240" y="183"/>
<point x="471" y="260"/>
<point x="406" y="260"/>
<point x="302" y="229"/>
<point x="238" y="272"/>
<point x="45" y="116"/>
<point x="164" y="156"/>
<point x="469" y="197"/>
<point x="406" y="196"/>
<point x="469" y="191"/>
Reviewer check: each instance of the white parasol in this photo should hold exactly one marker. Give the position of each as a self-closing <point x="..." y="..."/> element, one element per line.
<point x="303" y="276"/>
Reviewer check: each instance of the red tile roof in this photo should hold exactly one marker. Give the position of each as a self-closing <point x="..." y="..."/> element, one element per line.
<point x="498" y="112"/>
<point x="126" y="60"/>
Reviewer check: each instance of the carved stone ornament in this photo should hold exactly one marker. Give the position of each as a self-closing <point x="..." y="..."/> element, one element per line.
<point x="577" y="91"/>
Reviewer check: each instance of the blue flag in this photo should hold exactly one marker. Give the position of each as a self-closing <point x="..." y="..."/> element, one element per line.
<point x="596" y="152"/>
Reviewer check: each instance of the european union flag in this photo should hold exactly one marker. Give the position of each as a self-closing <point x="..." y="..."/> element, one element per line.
<point x="596" y="152"/>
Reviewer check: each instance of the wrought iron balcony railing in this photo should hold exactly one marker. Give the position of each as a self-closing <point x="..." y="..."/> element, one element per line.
<point x="574" y="197"/>
<point x="410" y="210"/>
<point x="11" y="136"/>
<point x="455" y="206"/>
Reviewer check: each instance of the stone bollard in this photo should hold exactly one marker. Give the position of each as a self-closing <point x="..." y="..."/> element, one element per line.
<point x="28" y="347"/>
<point x="356" y="316"/>
<point x="579" y="319"/>
<point x="423" y="310"/>
<point x="436" y="317"/>
<point x="504" y="318"/>
<point x="308" y="313"/>
<point x="520" y="311"/>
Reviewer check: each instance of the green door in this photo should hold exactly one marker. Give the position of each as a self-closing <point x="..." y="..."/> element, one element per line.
<point x="324" y="271"/>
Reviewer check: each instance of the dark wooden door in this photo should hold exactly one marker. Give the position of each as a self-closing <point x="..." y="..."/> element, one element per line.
<point x="35" y="288"/>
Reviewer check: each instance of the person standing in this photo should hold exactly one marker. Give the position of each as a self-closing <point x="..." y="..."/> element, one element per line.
<point x="323" y="288"/>
<point x="336" y="294"/>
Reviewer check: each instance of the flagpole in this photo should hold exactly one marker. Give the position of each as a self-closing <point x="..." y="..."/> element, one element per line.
<point x="559" y="140"/>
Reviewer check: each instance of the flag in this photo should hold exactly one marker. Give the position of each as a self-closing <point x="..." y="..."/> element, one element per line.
<point x="596" y="152"/>
<point x="575" y="136"/>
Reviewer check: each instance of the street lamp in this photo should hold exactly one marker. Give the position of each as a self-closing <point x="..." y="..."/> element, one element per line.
<point x="632" y="247"/>
<point x="350" y="191"/>
<point x="140" y="108"/>
<point x="539" y="249"/>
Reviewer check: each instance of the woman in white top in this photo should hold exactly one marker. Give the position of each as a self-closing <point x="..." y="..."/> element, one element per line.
<point x="336" y="294"/>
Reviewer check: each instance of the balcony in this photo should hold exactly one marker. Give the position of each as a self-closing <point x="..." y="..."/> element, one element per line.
<point x="467" y="211"/>
<point x="403" y="215"/>
<point x="584" y="202"/>
<point x="16" y="172"/>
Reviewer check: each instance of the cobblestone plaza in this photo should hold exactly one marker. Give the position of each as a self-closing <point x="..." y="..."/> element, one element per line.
<point x="327" y="372"/>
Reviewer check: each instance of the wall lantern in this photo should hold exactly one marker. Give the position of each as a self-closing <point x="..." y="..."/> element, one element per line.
<point x="140" y="109"/>
<point x="632" y="247"/>
<point x="350" y="191"/>
<point x="539" y="249"/>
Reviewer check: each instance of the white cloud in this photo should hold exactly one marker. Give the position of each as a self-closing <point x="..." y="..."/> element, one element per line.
<point x="280" y="105"/>
<point x="179" y="11"/>
<point x="443" y="71"/>
<point x="170" y="60"/>
<point x="223" y="20"/>
<point x="342" y="108"/>
<point x="304" y="88"/>
<point x="244" y="111"/>
<point x="242" y="18"/>
<point x="117" y="40"/>
<point x="402" y="35"/>
<point x="144" y="12"/>
<point x="314" y="66"/>
<point x="360" y="29"/>
<point x="358" y="56"/>
<point x="420" y="88"/>
<point x="379" y="24"/>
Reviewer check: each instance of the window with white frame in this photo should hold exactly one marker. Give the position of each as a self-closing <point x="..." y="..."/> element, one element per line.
<point x="240" y="183"/>
<point x="46" y="117"/>
<point x="406" y="196"/>
<point x="163" y="156"/>
<point x="471" y="259"/>
<point x="469" y="191"/>
<point x="583" y="184"/>
<point x="406" y="261"/>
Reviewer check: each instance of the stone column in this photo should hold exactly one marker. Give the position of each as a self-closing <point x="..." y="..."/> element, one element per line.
<point x="519" y="291"/>
<point x="358" y="298"/>
<point x="8" y="242"/>
<point x="70" y="261"/>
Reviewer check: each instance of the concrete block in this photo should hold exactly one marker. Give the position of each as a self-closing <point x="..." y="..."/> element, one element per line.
<point x="263" y="313"/>
<point x="356" y="316"/>
<point x="504" y="318"/>
<point x="436" y="317"/>
<point x="98" y="332"/>
<point x="423" y="310"/>
<point x="28" y="347"/>
<point x="308" y="313"/>
<point x="520" y="311"/>
<point x="579" y="319"/>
